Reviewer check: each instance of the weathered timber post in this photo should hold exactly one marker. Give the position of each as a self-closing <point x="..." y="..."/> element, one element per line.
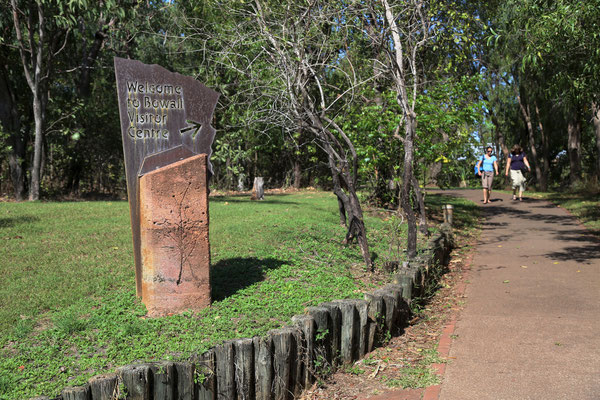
<point x="263" y="368"/>
<point x="350" y="334"/>
<point x="185" y="380"/>
<point x="244" y="368"/>
<point x="448" y="211"/>
<point x="362" y="308"/>
<point x="391" y="309"/>
<point x="164" y="378"/>
<point x="284" y="361"/>
<point x="77" y="393"/>
<point x="206" y="385"/>
<point x="324" y="338"/>
<point x="308" y="327"/>
<point x="376" y="324"/>
<point x="104" y="387"/>
<point x="402" y="310"/>
<point x="137" y="381"/>
<point x="336" y="331"/>
<point x="225" y="362"/>
<point x="297" y="363"/>
<point x="258" y="190"/>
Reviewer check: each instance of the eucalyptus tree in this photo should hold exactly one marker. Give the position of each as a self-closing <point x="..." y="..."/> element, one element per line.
<point x="526" y="82"/>
<point x="555" y="62"/>
<point x="285" y="70"/>
<point x="566" y="41"/>
<point x="38" y="39"/>
<point x="408" y="34"/>
<point x="51" y="40"/>
<point x="305" y="42"/>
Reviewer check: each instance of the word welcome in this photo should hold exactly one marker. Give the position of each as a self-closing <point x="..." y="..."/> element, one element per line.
<point x="148" y="108"/>
<point x="153" y="88"/>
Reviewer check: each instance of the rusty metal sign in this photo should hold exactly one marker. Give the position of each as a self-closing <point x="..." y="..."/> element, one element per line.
<point x="165" y="117"/>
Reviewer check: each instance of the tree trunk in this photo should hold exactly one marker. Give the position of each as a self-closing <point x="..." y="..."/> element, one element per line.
<point x="596" y="118"/>
<point x="337" y="190"/>
<point x="526" y="112"/>
<point x="32" y="59"/>
<point x="533" y="150"/>
<point x="574" y="148"/>
<point x="422" y="210"/>
<point x="9" y="117"/>
<point x="543" y="182"/>
<point x="88" y="60"/>
<point x="349" y="207"/>
<point x="407" y="185"/>
<point x="36" y="170"/>
<point x="359" y="230"/>
<point x="297" y="173"/>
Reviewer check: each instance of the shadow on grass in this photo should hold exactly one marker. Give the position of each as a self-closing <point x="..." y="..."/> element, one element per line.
<point x="269" y="199"/>
<point x="233" y="274"/>
<point x="14" y="221"/>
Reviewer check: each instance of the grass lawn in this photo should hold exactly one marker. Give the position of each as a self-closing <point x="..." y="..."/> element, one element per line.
<point x="68" y="308"/>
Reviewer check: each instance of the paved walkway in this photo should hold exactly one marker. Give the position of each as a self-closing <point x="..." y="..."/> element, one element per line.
<point x="530" y="328"/>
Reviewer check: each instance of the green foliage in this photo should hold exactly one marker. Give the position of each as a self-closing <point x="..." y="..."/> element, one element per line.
<point x="549" y="50"/>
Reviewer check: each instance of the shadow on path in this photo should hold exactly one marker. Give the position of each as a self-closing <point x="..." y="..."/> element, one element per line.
<point x="573" y="242"/>
<point x="582" y="254"/>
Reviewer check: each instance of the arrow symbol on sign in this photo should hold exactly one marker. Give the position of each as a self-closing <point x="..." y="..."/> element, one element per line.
<point x="195" y="126"/>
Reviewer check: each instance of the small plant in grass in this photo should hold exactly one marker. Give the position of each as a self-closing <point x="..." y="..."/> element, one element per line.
<point x="200" y="377"/>
<point x="23" y="328"/>
<point x="7" y="383"/>
<point x="431" y="356"/>
<point x="414" y="377"/>
<point x="383" y="335"/>
<point x="321" y="367"/>
<point x="369" y="361"/>
<point x="353" y="369"/>
<point x="69" y="323"/>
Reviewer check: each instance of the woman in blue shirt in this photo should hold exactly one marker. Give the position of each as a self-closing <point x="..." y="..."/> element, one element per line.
<point x="486" y="167"/>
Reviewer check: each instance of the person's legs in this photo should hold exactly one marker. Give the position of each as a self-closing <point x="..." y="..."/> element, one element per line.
<point x="484" y="187"/>
<point x="517" y="183"/>
<point x="521" y="190"/>
<point x="486" y="182"/>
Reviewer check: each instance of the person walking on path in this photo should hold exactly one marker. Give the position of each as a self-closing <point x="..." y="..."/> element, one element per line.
<point x="517" y="164"/>
<point x="486" y="167"/>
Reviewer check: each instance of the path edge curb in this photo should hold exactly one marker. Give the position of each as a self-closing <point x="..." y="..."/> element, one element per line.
<point x="446" y="338"/>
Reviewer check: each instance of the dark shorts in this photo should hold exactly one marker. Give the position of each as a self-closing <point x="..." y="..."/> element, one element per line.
<point x="486" y="179"/>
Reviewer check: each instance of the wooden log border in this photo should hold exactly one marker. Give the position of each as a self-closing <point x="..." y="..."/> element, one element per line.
<point x="288" y="360"/>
